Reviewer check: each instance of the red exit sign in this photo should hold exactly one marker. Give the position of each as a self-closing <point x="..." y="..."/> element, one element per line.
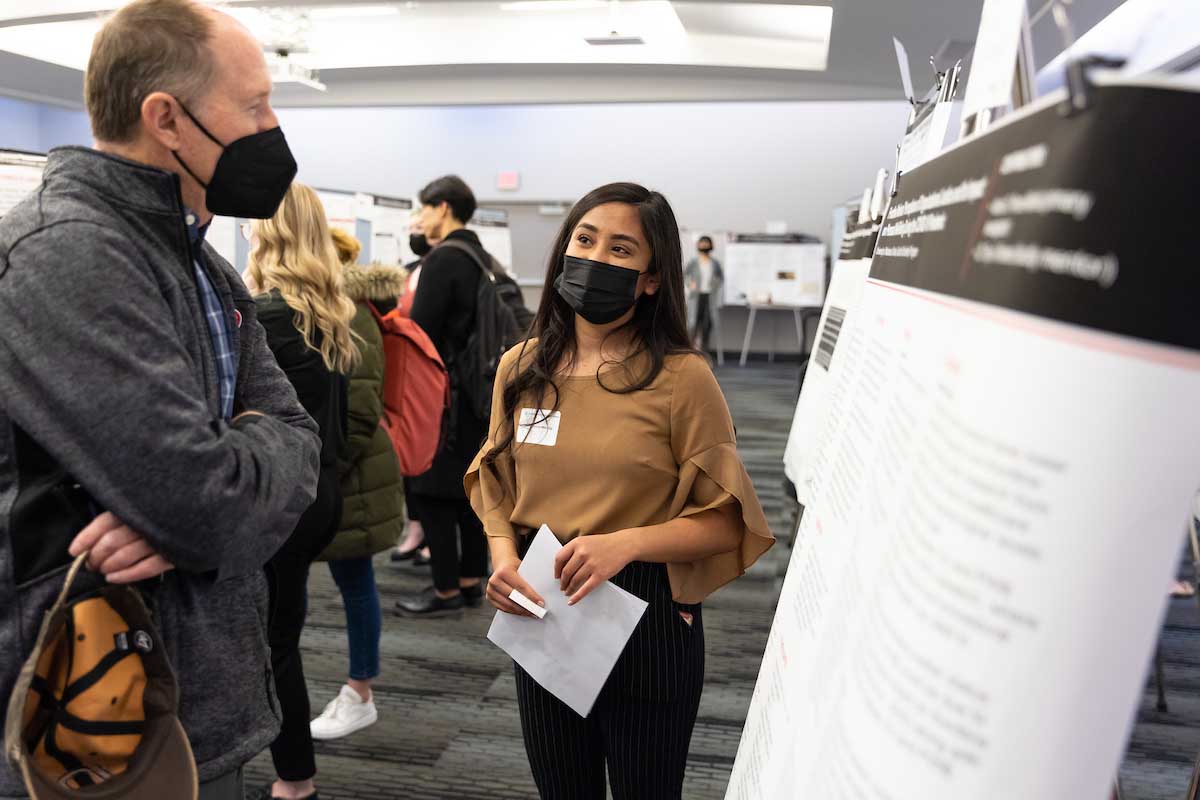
<point x="508" y="181"/>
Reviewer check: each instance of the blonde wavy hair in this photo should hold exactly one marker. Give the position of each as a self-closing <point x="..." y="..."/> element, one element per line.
<point x="293" y="252"/>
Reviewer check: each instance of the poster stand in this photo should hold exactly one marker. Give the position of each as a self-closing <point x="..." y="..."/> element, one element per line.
<point x="797" y="315"/>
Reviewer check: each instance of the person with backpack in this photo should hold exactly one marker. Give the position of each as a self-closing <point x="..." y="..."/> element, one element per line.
<point x="372" y="495"/>
<point x="456" y="304"/>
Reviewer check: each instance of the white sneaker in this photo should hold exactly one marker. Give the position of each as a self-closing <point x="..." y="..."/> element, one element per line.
<point x="344" y="715"/>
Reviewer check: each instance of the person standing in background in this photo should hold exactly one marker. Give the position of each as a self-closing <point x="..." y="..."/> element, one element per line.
<point x="306" y="314"/>
<point x="372" y="495"/>
<point x="444" y="307"/>
<point x="704" y="279"/>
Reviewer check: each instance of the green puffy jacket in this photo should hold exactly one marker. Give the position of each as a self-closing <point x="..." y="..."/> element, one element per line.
<point x="372" y="488"/>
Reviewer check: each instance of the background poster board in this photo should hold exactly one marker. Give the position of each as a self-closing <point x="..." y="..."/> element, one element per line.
<point x="1007" y="397"/>
<point x="223" y="234"/>
<point x="846" y="283"/>
<point x="20" y="174"/>
<point x="491" y="225"/>
<point x="774" y="269"/>
<point x="389" y="230"/>
<point x="341" y="210"/>
<point x="936" y="126"/>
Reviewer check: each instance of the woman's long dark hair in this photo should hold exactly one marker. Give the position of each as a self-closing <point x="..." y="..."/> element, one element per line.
<point x="659" y="324"/>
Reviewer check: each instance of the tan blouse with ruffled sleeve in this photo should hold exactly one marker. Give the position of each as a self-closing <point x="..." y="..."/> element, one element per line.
<point x="619" y="461"/>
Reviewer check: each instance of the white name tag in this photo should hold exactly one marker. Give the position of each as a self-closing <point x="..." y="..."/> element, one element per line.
<point x="538" y="426"/>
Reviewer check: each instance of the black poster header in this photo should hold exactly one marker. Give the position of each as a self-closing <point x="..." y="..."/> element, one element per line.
<point x="1087" y="219"/>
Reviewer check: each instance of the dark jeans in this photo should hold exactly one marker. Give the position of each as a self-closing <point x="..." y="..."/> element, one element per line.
<point x="641" y="725"/>
<point x="703" y="327"/>
<point x="355" y="578"/>
<point x="287" y="577"/>
<point x="445" y="523"/>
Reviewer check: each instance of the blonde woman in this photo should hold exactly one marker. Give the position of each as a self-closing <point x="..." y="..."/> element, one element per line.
<point x="372" y="495"/>
<point x="304" y="309"/>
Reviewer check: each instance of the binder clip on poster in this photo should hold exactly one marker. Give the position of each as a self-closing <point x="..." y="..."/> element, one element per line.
<point x="1078" y="84"/>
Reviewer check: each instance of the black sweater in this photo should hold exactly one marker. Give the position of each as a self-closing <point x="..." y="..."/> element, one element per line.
<point x="323" y="393"/>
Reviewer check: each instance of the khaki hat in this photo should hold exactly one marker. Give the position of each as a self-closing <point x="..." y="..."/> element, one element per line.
<point x="93" y="713"/>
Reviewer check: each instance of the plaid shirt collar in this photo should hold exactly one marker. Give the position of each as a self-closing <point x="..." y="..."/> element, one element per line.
<point x="214" y="314"/>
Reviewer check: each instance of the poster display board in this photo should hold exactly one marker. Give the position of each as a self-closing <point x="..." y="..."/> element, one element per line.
<point x="1012" y="392"/>
<point x="341" y="210"/>
<point x="20" y="174"/>
<point x="389" y="218"/>
<point x="222" y="234"/>
<point x="774" y="269"/>
<point x="929" y="133"/>
<point x="847" y="279"/>
<point x="491" y="225"/>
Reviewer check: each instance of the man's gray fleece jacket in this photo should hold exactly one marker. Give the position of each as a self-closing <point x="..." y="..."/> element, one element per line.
<point x="109" y="400"/>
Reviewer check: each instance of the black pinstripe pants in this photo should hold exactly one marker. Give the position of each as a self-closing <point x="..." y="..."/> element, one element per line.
<point x="641" y="725"/>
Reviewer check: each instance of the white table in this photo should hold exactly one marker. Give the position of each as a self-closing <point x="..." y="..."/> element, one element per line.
<point x="797" y="314"/>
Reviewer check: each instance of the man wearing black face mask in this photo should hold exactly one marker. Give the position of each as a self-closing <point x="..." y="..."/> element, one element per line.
<point x="144" y="420"/>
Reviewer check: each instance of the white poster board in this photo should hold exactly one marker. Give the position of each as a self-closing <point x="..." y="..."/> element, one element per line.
<point x="390" y="217"/>
<point x="848" y="277"/>
<point x="774" y="269"/>
<point x="1002" y="64"/>
<point x="929" y="134"/>
<point x="491" y="226"/>
<point x="20" y="174"/>
<point x="1007" y="397"/>
<point x="222" y="234"/>
<point x="341" y="210"/>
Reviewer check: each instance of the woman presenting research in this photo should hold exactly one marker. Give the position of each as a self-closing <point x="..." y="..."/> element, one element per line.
<point x="611" y="430"/>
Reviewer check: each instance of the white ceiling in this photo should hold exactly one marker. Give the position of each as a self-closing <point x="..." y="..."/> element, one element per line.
<point x="453" y="52"/>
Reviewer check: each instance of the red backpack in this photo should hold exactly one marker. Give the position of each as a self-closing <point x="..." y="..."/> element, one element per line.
<point x="416" y="392"/>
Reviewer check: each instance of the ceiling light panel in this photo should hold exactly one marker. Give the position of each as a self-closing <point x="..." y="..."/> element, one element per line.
<point x="760" y="20"/>
<point x="749" y="35"/>
<point x="322" y="13"/>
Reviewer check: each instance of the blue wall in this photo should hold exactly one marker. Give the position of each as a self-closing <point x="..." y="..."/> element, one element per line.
<point x="38" y="127"/>
<point x="20" y="128"/>
<point x="725" y="166"/>
<point x="59" y="126"/>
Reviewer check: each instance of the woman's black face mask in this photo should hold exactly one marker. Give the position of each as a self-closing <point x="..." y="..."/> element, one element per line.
<point x="598" y="292"/>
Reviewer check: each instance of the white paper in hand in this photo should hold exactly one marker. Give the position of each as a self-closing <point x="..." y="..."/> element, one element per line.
<point x="574" y="648"/>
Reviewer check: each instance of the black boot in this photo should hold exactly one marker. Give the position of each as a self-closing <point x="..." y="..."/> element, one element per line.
<point x="428" y="604"/>
<point x="473" y="595"/>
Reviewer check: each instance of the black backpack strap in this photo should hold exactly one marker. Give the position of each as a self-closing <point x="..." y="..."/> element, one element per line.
<point x="470" y="251"/>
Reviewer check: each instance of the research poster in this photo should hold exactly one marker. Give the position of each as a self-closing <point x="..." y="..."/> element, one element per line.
<point x="848" y="277"/>
<point x="786" y="269"/>
<point x="389" y="218"/>
<point x="491" y="225"/>
<point x="223" y="234"/>
<point x="1001" y="488"/>
<point x="341" y="210"/>
<point x="20" y="174"/>
<point x="935" y="126"/>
